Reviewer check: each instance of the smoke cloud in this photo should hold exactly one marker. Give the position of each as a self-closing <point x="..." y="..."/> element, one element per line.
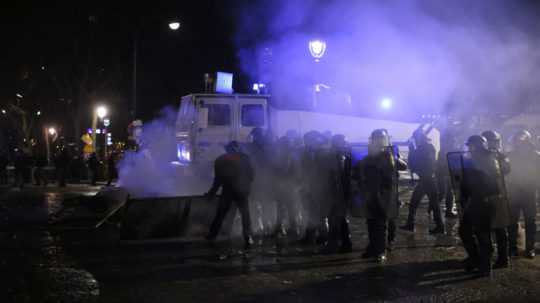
<point x="151" y="172"/>
<point x="427" y="56"/>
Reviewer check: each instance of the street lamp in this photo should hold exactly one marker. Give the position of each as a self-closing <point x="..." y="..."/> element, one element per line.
<point x="317" y="48"/>
<point x="174" y="25"/>
<point x="101" y="111"/>
<point x="49" y="132"/>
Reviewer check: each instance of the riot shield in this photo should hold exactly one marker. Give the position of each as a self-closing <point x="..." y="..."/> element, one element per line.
<point x="502" y="211"/>
<point x="393" y="150"/>
<point x="358" y="205"/>
<point x="358" y="202"/>
<point x="456" y="166"/>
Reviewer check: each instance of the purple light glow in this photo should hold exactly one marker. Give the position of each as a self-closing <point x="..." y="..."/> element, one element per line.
<point x="386" y="103"/>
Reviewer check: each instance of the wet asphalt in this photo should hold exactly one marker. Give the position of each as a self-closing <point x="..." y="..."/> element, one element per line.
<point x="42" y="265"/>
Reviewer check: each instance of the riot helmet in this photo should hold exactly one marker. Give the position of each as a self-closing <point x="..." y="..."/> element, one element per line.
<point x="378" y="140"/>
<point x="476" y="143"/>
<point x="257" y="136"/>
<point x="338" y="141"/>
<point x="521" y="138"/>
<point x="294" y="137"/>
<point x="493" y="139"/>
<point x="311" y="138"/>
<point x="232" y="147"/>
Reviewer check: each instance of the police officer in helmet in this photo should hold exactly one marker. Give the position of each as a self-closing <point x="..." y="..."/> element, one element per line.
<point x="338" y="168"/>
<point x="501" y="216"/>
<point x="377" y="177"/>
<point x="422" y="161"/>
<point x="523" y="182"/>
<point x="480" y="190"/>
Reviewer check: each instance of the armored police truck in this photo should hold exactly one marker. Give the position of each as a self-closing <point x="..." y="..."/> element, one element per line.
<point x="206" y="122"/>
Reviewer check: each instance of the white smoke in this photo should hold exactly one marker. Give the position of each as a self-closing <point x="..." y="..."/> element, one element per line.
<point x="150" y="171"/>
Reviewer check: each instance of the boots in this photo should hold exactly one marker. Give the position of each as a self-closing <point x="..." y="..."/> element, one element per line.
<point x="408" y="227"/>
<point x="439" y="229"/>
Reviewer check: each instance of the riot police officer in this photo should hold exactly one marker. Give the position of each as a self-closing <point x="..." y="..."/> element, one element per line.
<point x="285" y="177"/>
<point x="260" y="153"/>
<point x="313" y="187"/>
<point x="501" y="216"/>
<point x="422" y="161"/>
<point x="523" y="184"/>
<point x="480" y="190"/>
<point x="338" y="167"/>
<point x="377" y="177"/>
<point x="234" y="174"/>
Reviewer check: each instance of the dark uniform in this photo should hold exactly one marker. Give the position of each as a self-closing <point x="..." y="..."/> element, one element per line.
<point x="523" y="184"/>
<point x="481" y="189"/>
<point x="377" y="177"/>
<point x="338" y="167"/>
<point x="314" y="187"/>
<point x="501" y="216"/>
<point x="284" y="186"/>
<point x="422" y="161"/>
<point x="234" y="174"/>
<point x="260" y="153"/>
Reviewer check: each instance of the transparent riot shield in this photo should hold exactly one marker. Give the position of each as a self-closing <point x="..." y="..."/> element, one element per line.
<point x="502" y="211"/>
<point x="358" y="203"/>
<point x="457" y="162"/>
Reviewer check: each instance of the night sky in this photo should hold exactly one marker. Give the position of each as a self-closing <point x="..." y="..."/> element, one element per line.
<point x="48" y="51"/>
<point x="40" y="41"/>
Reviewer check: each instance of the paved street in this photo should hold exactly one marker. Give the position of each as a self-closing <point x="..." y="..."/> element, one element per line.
<point x="40" y="266"/>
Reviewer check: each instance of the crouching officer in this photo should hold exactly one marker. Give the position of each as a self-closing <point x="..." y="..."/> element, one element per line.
<point x="501" y="215"/>
<point x="377" y="177"/>
<point x="481" y="188"/>
<point x="234" y="174"/>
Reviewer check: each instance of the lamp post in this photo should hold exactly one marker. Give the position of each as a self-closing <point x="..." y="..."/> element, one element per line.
<point x="99" y="112"/>
<point x="51" y="131"/>
<point x="317" y="49"/>
<point x="173" y="26"/>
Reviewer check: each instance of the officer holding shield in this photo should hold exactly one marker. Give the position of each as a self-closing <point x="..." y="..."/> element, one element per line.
<point x="481" y="188"/>
<point x="377" y="177"/>
<point x="501" y="216"/>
